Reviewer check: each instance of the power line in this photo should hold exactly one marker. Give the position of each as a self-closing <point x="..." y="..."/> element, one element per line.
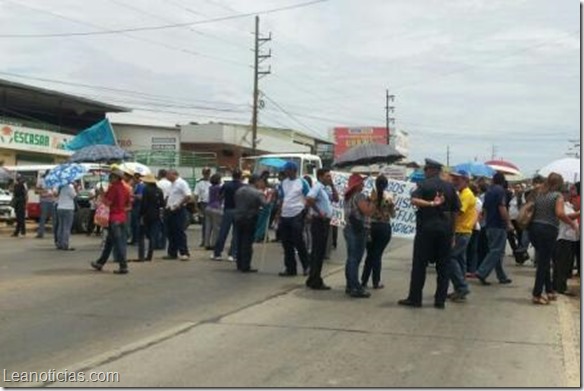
<point x="148" y="40"/>
<point x="163" y="98"/>
<point x="314" y="132"/>
<point x="163" y="26"/>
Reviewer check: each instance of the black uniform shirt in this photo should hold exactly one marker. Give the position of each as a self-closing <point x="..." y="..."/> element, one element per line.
<point x="437" y="215"/>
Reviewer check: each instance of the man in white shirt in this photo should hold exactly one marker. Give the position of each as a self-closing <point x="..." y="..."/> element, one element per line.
<point x="294" y="191"/>
<point x="202" y="199"/>
<point x="66" y="213"/>
<point x="178" y="196"/>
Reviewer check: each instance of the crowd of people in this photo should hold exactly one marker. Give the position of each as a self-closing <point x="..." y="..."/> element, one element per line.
<point x="463" y="225"/>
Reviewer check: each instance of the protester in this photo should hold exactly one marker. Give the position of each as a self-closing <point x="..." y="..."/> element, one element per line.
<point x="179" y="195"/>
<point x="543" y="232"/>
<point x="515" y="237"/>
<point x="357" y="208"/>
<point x="576" y="203"/>
<point x="47" y="204"/>
<point x="483" y="242"/>
<point x="563" y="257"/>
<point x="117" y="198"/>
<point x="138" y="190"/>
<point x="321" y="210"/>
<point x="437" y="205"/>
<point x="497" y="225"/>
<point x="306" y="233"/>
<point x="164" y="185"/>
<point x="19" y="201"/>
<point x="228" y="196"/>
<point x="66" y="214"/>
<point x="262" y="226"/>
<point x="292" y="219"/>
<point x="201" y="197"/>
<point x="331" y="242"/>
<point x="465" y="221"/>
<point x="213" y="212"/>
<point x="380" y="232"/>
<point x="472" y="248"/>
<point x="249" y="199"/>
<point x="151" y="205"/>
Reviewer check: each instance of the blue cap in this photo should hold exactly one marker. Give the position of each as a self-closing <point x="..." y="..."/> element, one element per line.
<point x="431" y="163"/>
<point x="461" y="173"/>
<point x="290" y="166"/>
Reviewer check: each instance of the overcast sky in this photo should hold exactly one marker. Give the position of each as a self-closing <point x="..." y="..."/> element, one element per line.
<point x="469" y="74"/>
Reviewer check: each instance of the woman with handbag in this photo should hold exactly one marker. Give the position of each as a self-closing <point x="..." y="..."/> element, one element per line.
<point x="357" y="208"/>
<point x="548" y="211"/>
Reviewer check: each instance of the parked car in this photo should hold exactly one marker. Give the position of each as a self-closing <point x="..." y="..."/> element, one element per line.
<point x="6" y="210"/>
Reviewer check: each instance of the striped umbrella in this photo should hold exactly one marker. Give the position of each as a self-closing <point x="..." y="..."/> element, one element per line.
<point x="100" y="154"/>
<point x="504" y="166"/>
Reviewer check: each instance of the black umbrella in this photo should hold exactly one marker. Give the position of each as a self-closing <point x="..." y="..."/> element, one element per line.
<point x="100" y="154"/>
<point x="367" y="154"/>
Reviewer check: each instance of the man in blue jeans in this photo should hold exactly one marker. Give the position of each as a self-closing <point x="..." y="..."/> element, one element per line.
<point x="497" y="225"/>
<point x="463" y="225"/>
<point x="228" y="195"/>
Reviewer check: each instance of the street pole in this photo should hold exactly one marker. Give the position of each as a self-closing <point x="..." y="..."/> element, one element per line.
<point x="258" y="58"/>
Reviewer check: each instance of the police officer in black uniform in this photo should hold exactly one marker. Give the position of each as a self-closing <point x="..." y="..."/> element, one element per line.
<point x="437" y="203"/>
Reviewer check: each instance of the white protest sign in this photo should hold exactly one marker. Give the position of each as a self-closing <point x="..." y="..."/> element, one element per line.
<point x="403" y="225"/>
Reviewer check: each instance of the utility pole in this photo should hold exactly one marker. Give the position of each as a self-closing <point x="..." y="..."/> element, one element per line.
<point x="448" y="155"/>
<point x="257" y="73"/>
<point x="493" y="152"/>
<point x="388" y="109"/>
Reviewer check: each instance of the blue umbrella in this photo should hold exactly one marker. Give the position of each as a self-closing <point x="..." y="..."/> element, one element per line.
<point x="273" y="162"/>
<point x="100" y="153"/>
<point x="476" y="169"/>
<point x="417" y="176"/>
<point x="64" y="174"/>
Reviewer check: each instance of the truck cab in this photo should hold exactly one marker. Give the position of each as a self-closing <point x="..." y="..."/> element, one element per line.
<point x="307" y="164"/>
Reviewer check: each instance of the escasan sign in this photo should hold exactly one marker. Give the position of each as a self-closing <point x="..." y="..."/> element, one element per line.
<point x="14" y="137"/>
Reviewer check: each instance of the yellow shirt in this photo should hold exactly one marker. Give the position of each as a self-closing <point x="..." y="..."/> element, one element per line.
<point x="466" y="218"/>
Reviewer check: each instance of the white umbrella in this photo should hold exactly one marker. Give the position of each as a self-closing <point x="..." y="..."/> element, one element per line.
<point x="568" y="168"/>
<point x="136" y="167"/>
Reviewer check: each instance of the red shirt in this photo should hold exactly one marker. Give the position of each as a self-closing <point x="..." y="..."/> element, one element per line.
<point x="118" y="198"/>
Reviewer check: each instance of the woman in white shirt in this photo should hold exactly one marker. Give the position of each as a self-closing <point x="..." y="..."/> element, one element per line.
<point x="65" y="214"/>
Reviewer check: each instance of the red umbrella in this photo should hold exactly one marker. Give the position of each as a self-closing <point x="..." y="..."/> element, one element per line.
<point x="504" y="166"/>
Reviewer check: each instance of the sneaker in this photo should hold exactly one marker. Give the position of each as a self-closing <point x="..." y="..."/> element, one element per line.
<point x="184" y="257"/>
<point x="230" y="259"/>
<point x="216" y="258"/>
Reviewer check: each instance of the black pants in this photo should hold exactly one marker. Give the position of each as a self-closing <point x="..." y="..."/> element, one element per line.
<point x="483" y="246"/>
<point x="429" y="244"/>
<point x="563" y="259"/>
<point x="245" y="237"/>
<point x="177" y="239"/>
<point x="319" y="230"/>
<point x="20" y="211"/>
<point x="291" y="231"/>
<point x="380" y="237"/>
<point x="335" y="233"/>
<point x="543" y="237"/>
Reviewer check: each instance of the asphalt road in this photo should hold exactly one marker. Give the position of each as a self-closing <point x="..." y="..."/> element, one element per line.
<point x="200" y="323"/>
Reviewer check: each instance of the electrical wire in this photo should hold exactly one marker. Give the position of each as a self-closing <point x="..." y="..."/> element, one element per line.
<point x="163" y="26"/>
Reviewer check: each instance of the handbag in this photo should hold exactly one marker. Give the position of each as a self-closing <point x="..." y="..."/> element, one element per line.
<point x="525" y="215"/>
<point x="102" y="213"/>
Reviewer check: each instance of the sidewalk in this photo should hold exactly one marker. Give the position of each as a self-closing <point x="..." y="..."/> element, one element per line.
<point x="303" y="338"/>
